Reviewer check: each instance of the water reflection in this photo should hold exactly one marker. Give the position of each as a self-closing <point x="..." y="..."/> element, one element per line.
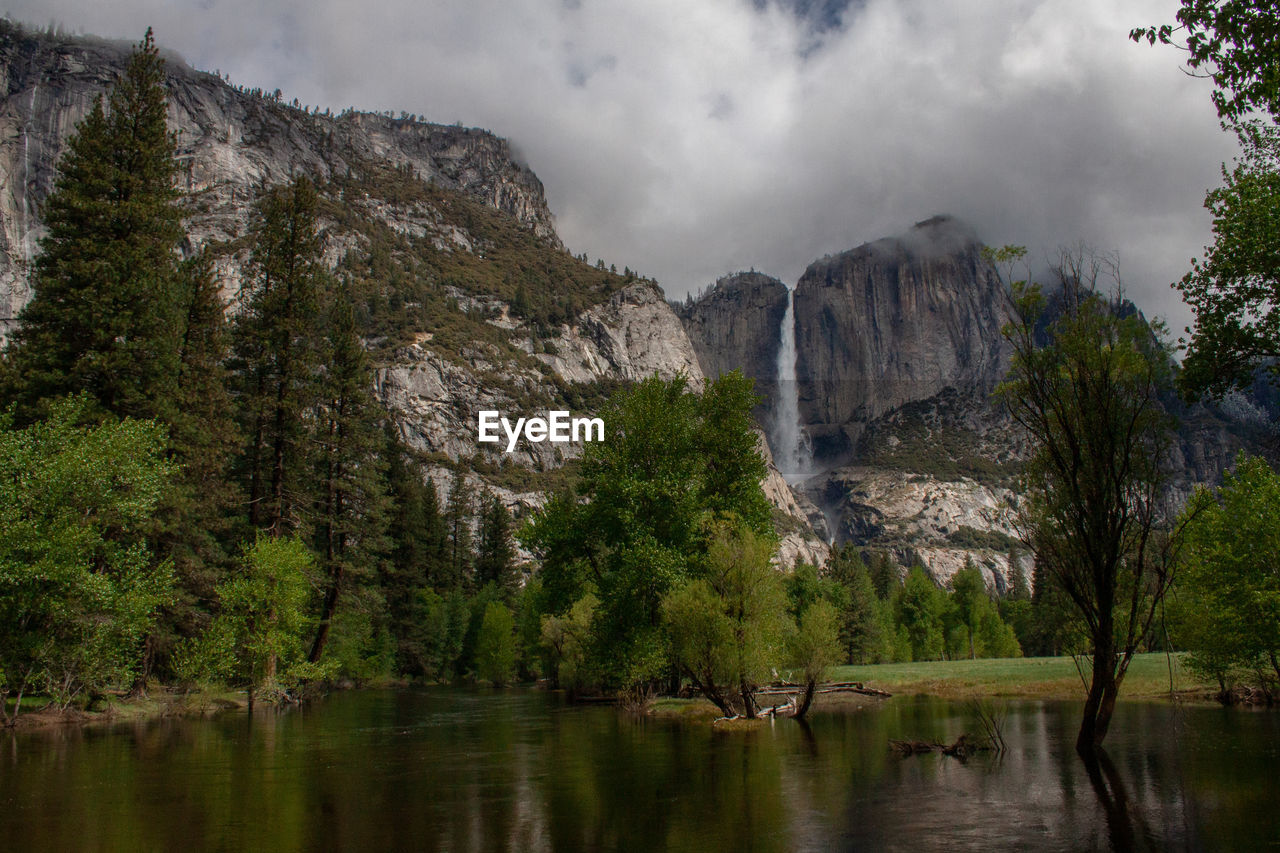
<point x="476" y="770"/>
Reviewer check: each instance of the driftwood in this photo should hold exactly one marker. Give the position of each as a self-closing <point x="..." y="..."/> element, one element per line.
<point x="963" y="747"/>
<point x="786" y="688"/>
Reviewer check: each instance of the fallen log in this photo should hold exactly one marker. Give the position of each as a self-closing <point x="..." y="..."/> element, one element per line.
<point x="785" y="688"/>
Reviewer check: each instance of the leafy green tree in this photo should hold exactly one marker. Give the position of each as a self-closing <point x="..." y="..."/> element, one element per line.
<point x="1233" y="290"/>
<point x="1236" y="45"/>
<point x="104" y="316"/>
<point x="257" y="638"/>
<point x="1087" y="387"/>
<point x="566" y="640"/>
<point x="813" y="649"/>
<point x="1228" y="593"/>
<point x="728" y="629"/>
<point x="921" y="605"/>
<point x="673" y="461"/>
<point x="80" y="586"/>
<point x="276" y="356"/>
<point x="496" y="646"/>
<point x="968" y="597"/>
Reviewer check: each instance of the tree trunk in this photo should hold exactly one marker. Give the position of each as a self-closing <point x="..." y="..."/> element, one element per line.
<point x="1100" y="704"/>
<point x="748" y="699"/>
<point x="806" y="700"/>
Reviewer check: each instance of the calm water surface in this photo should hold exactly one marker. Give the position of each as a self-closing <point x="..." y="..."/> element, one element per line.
<point x="519" y="770"/>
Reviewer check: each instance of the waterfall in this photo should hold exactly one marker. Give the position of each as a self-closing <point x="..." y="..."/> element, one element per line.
<point x="791" y="450"/>
<point x="24" y="227"/>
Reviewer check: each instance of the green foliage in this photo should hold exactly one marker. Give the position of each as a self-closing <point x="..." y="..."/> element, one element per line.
<point x="257" y="638"/>
<point x="78" y="586"/>
<point x="349" y="510"/>
<point x="196" y="519"/>
<point x="1227" y="607"/>
<point x="1233" y="290"/>
<point x="104" y="317"/>
<point x="814" y="647"/>
<point x="495" y="553"/>
<point x="496" y="646"/>
<point x="863" y="631"/>
<point x="920" y="606"/>
<point x="566" y="640"/>
<point x="277" y="355"/>
<point x="1086" y="386"/>
<point x="728" y="629"/>
<point x="672" y="462"/>
<point x="1236" y="44"/>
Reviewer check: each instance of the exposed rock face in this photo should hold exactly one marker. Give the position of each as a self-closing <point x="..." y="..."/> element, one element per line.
<point x="735" y="325"/>
<point x="800" y="525"/>
<point x="438" y="399"/>
<point x="892" y="322"/>
<point x="632" y="336"/>
<point x="922" y="518"/>
<point x="230" y="142"/>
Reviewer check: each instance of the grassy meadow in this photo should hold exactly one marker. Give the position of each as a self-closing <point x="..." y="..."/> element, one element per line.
<point x="1024" y="678"/>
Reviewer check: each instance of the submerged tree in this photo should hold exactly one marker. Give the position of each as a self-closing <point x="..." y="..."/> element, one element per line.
<point x="728" y="629"/>
<point x="1085" y="383"/>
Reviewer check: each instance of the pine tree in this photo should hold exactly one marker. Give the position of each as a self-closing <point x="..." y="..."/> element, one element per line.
<point x="195" y="520"/>
<point x="457" y="516"/>
<point x="276" y="358"/>
<point x="103" y="317"/>
<point x="495" y="556"/>
<point x="350" y="511"/>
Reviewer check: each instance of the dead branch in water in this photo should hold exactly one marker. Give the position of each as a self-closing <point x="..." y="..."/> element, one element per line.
<point x="963" y="747"/>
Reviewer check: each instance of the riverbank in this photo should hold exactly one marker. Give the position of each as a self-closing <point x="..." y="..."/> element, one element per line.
<point x="1152" y="676"/>
<point x="37" y="713"/>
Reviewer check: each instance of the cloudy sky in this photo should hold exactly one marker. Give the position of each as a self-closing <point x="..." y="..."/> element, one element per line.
<point x="690" y="138"/>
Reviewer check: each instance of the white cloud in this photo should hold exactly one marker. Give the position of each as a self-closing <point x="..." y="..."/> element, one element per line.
<point x="687" y="139"/>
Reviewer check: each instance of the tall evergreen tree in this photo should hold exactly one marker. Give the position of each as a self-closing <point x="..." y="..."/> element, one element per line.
<point x="104" y="314"/>
<point x="350" y="509"/>
<point x="194" y="523"/>
<point x="458" y="516"/>
<point x="276" y="358"/>
<point x="495" y="555"/>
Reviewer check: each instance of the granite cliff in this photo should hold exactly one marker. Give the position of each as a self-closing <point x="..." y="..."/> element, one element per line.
<point x="897" y="348"/>
<point x="472" y="301"/>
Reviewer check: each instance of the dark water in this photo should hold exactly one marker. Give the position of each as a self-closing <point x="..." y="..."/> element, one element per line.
<point x="459" y="770"/>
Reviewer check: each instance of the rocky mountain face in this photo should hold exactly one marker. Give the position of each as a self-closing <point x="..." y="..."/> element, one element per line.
<point x="473" y="301"/>
<point x="898" y="348"/>
<point x="734" y="326"/>
<point x="892" y="322"/>
<point x="231" y="142"/>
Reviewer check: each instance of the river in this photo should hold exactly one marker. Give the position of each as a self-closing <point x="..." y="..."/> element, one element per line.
<point x="452" y="769"/>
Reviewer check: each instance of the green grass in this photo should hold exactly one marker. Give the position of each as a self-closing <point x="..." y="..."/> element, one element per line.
<point x="1031" y="678"/>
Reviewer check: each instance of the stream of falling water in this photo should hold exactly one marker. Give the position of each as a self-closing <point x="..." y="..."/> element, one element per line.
<point x="792" y="451"/>
<point x="24" y="227"/>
